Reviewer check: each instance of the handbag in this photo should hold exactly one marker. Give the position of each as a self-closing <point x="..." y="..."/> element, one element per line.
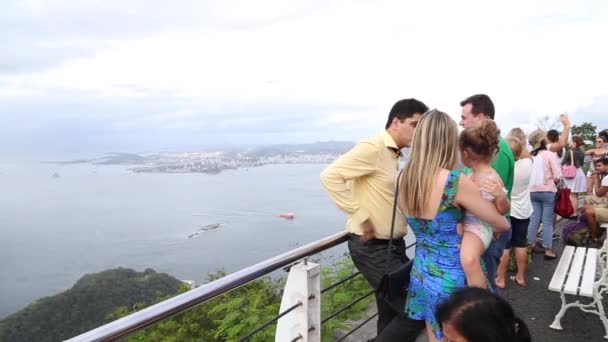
<point x="563" y="205"/>
<point x="569" y="171"/>
<point x="394" y="284"/>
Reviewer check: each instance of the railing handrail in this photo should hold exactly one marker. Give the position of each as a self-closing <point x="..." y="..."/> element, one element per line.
<point x="139" y="320"/>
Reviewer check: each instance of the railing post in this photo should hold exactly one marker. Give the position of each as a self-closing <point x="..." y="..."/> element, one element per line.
<point x="303" y="286"/>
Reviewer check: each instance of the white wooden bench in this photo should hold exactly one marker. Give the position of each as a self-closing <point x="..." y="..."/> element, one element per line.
<point x="581" y="272"/>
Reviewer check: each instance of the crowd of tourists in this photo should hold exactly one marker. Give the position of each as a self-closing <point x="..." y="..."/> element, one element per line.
<point x="469" y="198"/>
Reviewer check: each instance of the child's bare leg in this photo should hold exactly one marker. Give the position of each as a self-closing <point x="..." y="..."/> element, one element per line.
<point x="470" y="256"/>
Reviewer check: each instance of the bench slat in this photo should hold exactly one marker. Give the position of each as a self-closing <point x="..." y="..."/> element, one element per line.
<point x="589" y="273"/>
<point x="574" y="276"/>
<point x="559" y="276"/>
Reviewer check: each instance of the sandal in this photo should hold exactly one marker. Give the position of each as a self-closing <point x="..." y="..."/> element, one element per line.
<point x="514" y="278"/>
<point x="550" y="257"/>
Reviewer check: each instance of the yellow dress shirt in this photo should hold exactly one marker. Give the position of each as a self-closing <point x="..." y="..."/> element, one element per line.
<point x="362" y="183"/>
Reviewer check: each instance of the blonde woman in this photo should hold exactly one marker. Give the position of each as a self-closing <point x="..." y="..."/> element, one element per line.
<point x="526" y="147"/>
<point x="521" y="210"/>
<point x="432" y="197"/>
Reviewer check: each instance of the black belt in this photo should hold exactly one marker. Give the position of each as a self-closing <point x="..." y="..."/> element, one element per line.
<point x="353" y="236"/>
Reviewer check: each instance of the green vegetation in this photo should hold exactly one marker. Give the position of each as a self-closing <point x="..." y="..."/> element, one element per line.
<point x="86" y="305"/>
<point x="99" y="298"/>
<point x="342" y="295"/>
<point x="587" y="131"/>
<point x="241" y="311"/>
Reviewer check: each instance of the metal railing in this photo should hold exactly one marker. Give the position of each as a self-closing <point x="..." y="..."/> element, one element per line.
<point x="185" y="301"/>
<point x="166" y="309"/>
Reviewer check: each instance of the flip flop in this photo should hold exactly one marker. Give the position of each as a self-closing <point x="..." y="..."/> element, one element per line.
<point x="514" y="278"/>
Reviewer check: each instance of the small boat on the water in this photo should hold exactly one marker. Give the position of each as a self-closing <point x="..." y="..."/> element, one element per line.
<point x="209" y="227"/>
<point x="289" y="216"/>
<point x="191" y="236"/>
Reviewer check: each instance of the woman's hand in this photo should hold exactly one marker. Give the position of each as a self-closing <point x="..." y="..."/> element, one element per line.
<point x="494" y="188"/>
<point x="565" y="120"/>
<point x="469" y="197"/>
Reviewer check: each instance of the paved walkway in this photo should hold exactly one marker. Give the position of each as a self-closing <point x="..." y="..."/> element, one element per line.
<point x="537" y="306"/>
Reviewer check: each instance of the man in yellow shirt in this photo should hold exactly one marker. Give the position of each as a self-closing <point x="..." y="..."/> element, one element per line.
<point x="362" y="183"/>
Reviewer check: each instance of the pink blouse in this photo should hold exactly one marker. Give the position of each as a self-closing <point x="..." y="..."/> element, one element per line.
<point x="552" y="172"/>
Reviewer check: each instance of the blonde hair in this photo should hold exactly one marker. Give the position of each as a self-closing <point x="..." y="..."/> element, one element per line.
<point x="518" y="133"/>
<point x="434" y="147"/>
<point x="516" y="145"/>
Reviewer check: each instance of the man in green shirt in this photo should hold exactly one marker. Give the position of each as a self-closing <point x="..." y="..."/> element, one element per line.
<point x="475" y="109"/>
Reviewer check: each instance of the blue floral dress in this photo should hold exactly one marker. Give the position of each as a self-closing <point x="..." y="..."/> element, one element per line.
<point x="437" y="270"/>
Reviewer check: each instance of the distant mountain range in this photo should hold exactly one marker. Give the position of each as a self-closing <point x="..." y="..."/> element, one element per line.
<point x="318" y="148"/>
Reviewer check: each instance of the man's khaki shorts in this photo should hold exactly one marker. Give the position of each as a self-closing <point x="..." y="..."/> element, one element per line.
<point x="601" y="202"/>
<point x="601" y="214"/>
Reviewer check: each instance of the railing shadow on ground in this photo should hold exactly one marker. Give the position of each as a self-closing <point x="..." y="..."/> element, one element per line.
<point x="310" y="302"/>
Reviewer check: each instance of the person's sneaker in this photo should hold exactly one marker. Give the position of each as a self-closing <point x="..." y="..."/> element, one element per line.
<point x="556" y="236"/>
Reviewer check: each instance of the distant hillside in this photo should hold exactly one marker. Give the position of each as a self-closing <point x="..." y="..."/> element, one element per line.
<point x="86" y="305"/>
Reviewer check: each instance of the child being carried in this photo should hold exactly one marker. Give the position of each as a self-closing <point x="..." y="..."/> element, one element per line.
<point x="478" y="146"/>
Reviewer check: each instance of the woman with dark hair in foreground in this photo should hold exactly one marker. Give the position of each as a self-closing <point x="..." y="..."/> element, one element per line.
<point x="476" y="315"/>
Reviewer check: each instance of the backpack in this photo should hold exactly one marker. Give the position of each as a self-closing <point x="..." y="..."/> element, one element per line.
<point x="576" y="233"/>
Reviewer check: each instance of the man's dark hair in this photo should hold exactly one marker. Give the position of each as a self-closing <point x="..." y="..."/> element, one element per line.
<point x="553" y="135"/>
<point x="405" y="109"/>
<point x="481" y="103"/>
<point x="602" y="161"/>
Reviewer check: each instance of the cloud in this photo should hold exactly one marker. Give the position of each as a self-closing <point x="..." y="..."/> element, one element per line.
<point x="39" y="34"/>
<point x="157" y="73"/>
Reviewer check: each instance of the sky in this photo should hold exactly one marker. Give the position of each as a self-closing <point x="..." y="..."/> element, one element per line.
<point x="92" y="76"/>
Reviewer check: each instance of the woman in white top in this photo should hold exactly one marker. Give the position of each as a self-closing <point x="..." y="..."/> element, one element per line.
<point x="521" y="210"/>
<point x="578" y="184"/>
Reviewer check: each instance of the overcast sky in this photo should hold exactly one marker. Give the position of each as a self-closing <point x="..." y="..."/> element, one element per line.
<point x="87" y="76"/>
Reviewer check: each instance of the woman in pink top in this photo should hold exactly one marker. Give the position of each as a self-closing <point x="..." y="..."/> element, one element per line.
<point x="545" y="172"/>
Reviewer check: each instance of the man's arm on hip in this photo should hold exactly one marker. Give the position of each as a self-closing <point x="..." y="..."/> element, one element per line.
<point x="357" y="163"/>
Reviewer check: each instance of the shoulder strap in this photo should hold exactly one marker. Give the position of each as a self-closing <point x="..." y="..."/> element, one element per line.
<point x="390" y="241"/>
<point x="571" y="157"/>
<point x="452" y="182"/>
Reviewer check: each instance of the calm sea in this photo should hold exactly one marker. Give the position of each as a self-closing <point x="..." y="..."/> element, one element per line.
<point x="58" y="223"/>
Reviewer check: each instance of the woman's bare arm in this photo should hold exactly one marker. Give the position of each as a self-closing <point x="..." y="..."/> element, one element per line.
<point x="563" y="138"/>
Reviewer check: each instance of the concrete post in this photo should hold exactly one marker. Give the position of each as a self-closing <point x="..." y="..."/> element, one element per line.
<point x="303" y="286"/>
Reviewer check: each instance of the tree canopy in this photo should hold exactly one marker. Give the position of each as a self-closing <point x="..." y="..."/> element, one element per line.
<point x="87" y="305"/>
